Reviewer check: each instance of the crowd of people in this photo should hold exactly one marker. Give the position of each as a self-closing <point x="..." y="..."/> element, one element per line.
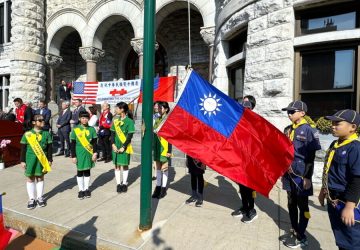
<point x="82" y="133"/>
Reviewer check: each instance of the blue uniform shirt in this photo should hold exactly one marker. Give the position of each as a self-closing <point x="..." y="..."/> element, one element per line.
<point x="345" y="164"/>
<point x="306" y="143"/>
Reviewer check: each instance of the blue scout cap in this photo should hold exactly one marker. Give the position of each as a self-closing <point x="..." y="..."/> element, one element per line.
<point x="296" y="105"/>
<point x="348" y="115"/>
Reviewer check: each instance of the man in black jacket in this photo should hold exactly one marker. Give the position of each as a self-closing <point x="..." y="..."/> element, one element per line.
<point x="64" y="92"/>
<point x="63" y="125"/>
<point x="45" y="112"/>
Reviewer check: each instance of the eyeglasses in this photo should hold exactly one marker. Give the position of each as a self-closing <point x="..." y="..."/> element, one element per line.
<point x="40" y="120"/>
<point x="291" y="112"/>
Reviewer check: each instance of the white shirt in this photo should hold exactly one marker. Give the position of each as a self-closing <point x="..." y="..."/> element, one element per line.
<point x="93" y="120"/>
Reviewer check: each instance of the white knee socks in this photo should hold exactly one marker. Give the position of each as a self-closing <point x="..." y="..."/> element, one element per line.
<point x="30" y="186"/>
<point x="125" y="176"/>
<point x="39" y="189"/>
<point x="80" y="182"/>
<point x="117" y="176"/>
<point x="158" y="178"/>
<point x="164" y="178"/>
<point x="86" y="182"/>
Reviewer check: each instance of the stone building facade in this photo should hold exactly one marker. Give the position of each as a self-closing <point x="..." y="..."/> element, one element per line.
<point x="265" y="48"/>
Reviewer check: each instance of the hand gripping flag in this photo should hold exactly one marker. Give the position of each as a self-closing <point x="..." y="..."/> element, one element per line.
<point x="234" y="141"/>
<point x="5" y="235"/>
<point x="163" y="89"/>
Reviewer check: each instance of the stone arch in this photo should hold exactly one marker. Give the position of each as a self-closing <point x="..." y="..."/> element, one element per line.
<point x="109" y="14"/>
<point x="60" y="27"/>
<point x="206" y="8"/>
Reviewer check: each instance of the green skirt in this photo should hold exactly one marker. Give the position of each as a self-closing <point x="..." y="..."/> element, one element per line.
<point x="121" y="159"/>
<point x="33" y="166"/>
<point x="84" y="159"/>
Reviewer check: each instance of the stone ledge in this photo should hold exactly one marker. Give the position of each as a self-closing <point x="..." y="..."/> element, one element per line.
<point x="27" y="56"/>
<point x="54" y="234"/>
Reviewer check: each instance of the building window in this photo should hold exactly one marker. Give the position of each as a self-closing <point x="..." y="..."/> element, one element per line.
<point x="236" y="64"/>
<point x="328" y="18"/>
<point x="5" y="21"/>
<point x="4" y="91"/>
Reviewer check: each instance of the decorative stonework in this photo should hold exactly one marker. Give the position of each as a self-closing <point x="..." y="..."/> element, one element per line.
<point x="91" y="53"/>
<point x="208" y="34"/>
<point x="137" y="45"/>
<point x="53" y="61"/>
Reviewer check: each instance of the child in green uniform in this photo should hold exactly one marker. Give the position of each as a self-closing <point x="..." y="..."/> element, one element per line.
<point x="36" y="159"/>
<point x="162" y="154"/>
<point x="83" y="152"/>
<point x="122" y="131"/>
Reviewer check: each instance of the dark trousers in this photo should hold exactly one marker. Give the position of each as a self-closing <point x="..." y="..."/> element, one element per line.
<point x="298" y="206"/>
<point x="85" y="173"/>
<point x="197" y="182"/>
<point x="64" y="137"/>
<point x="247" y="198"/>
<point x="105" y="144"/>
<point x="346" y="238"/>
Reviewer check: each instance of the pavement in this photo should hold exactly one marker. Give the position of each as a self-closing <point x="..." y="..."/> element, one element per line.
<point x="109" y="220"/>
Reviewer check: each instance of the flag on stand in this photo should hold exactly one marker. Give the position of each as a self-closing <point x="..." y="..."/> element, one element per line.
<point x="86" y="91"/>
<point x="234" y="141"/>
<point x="164" y="88"/>
<point x="5" y="235"/>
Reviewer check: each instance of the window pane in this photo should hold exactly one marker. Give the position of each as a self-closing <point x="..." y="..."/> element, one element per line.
<point x="329" y="23"/>
<point x="9" y="21"/>
<point x="328" y="103"/>
<point x="237" y="44"/>
<point x="328" y="70"/>
<point x="236" y="87"/>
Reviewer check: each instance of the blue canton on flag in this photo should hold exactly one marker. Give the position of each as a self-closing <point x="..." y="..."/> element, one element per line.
<point x="79" y="88"/>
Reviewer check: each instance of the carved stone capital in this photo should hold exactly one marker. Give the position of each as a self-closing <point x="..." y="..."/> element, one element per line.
<point x="137" y="44"/>
<point x="53" y="61"/>
<point x="91" y="53"/>
<point x="208" y="34"/>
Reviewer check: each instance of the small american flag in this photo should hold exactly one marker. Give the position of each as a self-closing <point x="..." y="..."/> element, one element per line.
<point x="86" y="91"/>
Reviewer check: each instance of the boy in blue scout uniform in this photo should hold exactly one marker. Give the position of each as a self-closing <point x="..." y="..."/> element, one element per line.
<point x="297" y="181"/>
<point x="341" y="180"/>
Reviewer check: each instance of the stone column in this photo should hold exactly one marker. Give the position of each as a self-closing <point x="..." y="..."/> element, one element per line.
<point x="137" y="44"/>
<point x="27" y="62"/>
<point x="208" y="34"/>
<point x="91" y="55"/>
<point x="53" y="61"/>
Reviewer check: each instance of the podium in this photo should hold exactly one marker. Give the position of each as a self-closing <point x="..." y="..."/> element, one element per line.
<point x="11" y="131"/>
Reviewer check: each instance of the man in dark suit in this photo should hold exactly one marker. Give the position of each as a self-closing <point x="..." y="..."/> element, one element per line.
<point x="63" y="125"/>
<point x="45" y="112"/>
<point x="64" y="92"/>
<point x="75" y="114"/>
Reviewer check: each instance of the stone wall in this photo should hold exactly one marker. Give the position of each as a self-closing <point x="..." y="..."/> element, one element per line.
<point x="27" y="60"/>
<point x="84" y="6"/>
<point x="269" y="55"/>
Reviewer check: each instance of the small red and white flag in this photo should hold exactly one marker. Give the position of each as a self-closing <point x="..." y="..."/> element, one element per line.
<point x="86" y="91"/>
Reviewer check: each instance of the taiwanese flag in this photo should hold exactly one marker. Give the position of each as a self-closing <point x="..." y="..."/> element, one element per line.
<point x="5" y="235"/>
<point x="164" y="88"/>
<point x="234" y="141"/>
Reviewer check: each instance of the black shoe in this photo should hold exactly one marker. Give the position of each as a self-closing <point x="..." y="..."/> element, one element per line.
<point x="67" y="155"/>
<point x="156" y="193"/>
<point x="124" y="188"/>
<point x="250" y="216"/>
<point x="162" y="192"/>
<point x="191" y="200"/>
<point x="119" y="188"/>
<point x="238" y="213"/>
<point x="285" y="237"/>
<point x="81" y="195"/>
<point x="87" y="193"/>
<point x="60" y="154"/>
<point x="31" y="204"/>
<point x="296" y="243"/>
<point x="107" y="160"/>
<point x="101" y="159"/>
<point x="153" y="178"/>
<point x="199" y="203"/>
<point x="41" y="202"/>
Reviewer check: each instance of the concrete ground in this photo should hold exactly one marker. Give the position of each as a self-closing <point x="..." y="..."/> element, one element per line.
<point x="110" y="220"/>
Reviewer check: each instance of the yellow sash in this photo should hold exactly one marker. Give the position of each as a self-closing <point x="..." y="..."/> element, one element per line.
<point x="81" y="135"/>
<point x="165" y="146"/>
<point x="39" y="152"/>
<point x="121" y="135"/>
<point x="295" y="126"/>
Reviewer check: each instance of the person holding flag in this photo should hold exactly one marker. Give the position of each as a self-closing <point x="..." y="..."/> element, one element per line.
<point x="162" y="154"/>
<point x="341" y="179"/>
<point x="83" y="152"/>
<point x="36" y="159"/>
<point x="122" y="131"/>
<point x="297" y="181"/>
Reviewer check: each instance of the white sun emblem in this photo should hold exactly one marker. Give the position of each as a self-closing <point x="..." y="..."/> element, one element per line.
<point x="209" y="104"/>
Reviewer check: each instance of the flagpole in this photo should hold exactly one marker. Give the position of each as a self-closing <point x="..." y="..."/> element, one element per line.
<point x="147" y="111"/>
